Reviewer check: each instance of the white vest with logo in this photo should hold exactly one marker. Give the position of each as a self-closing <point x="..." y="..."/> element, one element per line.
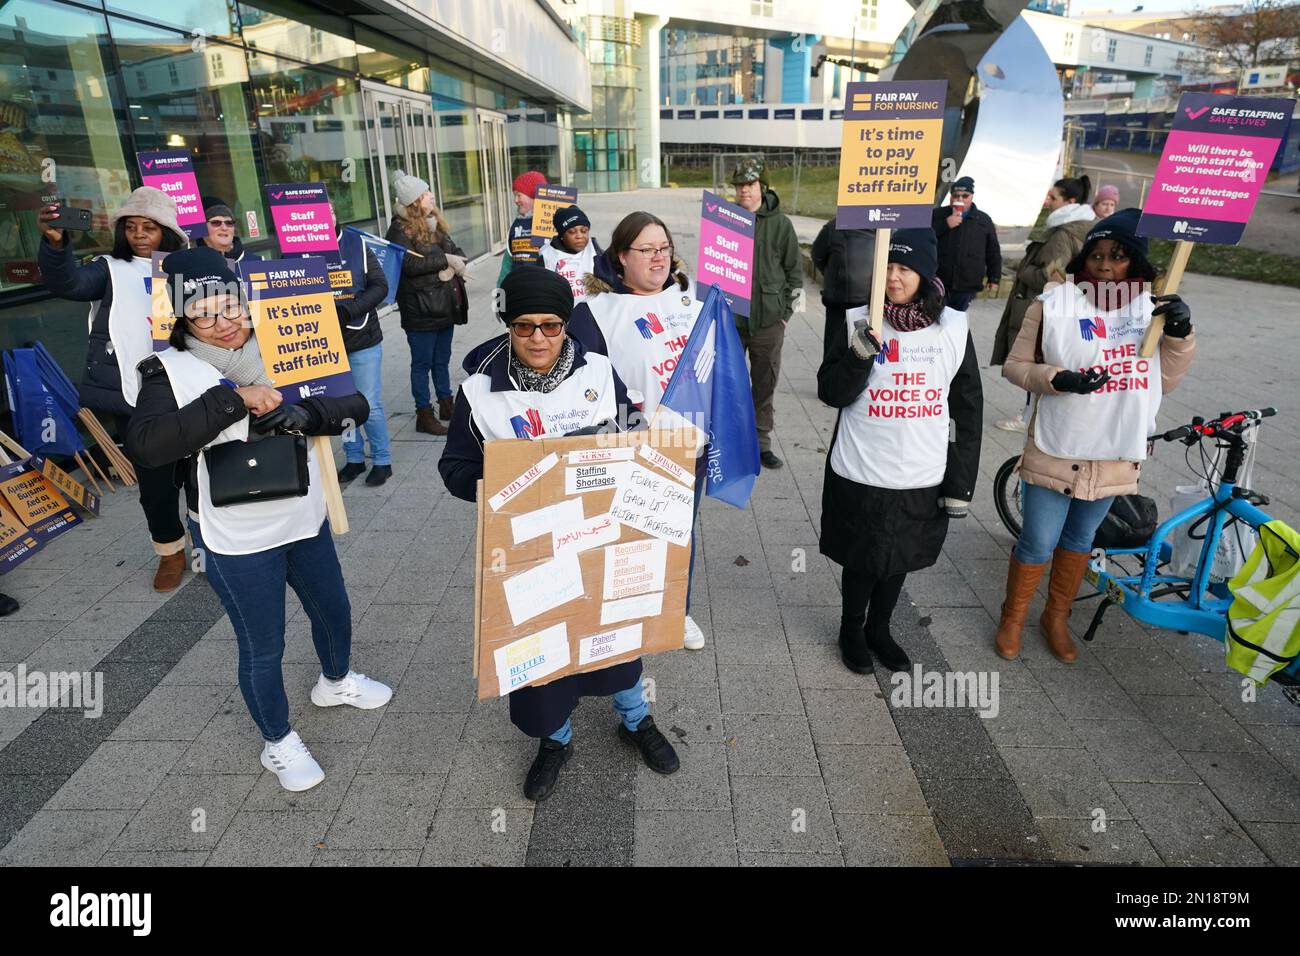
<point x="585" y="398"/>
<point x="574" y="266"/>
<point x="129" y="330"/>
<point x="1112" y="423"/>
<point x="259" y="525"/>
<point x="895" y="434"/>
<point x="644" y="335"/>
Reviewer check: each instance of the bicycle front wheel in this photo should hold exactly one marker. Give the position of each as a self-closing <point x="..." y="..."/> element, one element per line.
<point x="1006" y="496"/>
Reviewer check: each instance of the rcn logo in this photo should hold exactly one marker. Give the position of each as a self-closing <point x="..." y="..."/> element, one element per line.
<point x="650" y="326"/>
<point x="888" y="352"/>
<point x="1180" y="225"/>
<point x="873" y="215"/>
<point x="1089" y="328"/>
<point x="527" y="427"/>
<point x="304" y="391"/>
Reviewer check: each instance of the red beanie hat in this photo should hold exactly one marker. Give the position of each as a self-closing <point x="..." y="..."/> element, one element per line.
<point x="528" y="182"/>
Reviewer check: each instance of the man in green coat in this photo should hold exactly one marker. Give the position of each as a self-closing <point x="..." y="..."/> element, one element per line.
<point x="777" y="275"/>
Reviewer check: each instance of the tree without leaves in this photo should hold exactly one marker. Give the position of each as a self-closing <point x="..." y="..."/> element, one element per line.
<point x="1262" y="32"/>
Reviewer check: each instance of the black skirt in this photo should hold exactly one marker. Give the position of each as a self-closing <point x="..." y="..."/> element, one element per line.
<point x="541" y="711"/>
<point x="880" y="531"/>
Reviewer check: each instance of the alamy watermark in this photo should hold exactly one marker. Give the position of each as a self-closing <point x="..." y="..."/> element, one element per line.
<point x="961" y="689"/>
<point x="76" y="690"/>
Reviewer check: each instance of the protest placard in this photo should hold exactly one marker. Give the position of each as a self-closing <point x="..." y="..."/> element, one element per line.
<point x="548" y="199"/>
<point x="889" y="164"/>
<point x="726" y="252"/>
<point x="567" y="582"/>
<point x="162" y="319"/>
<point x="1216" y="158"/>
<point x="172" y="171"/>
<point x="33" y="500"/>
<point x="73" y="490"/>
<point x="301" y="343"/>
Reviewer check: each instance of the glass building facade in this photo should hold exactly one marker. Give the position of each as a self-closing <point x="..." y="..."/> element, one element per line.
<point x="604" y="140"/>
<point x="258" y="93"/>
<point x="709" y="69"/>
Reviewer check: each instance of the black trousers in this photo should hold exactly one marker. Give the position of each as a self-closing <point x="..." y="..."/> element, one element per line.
<point x="871" y="599"/>
<point x="159" y="498"/>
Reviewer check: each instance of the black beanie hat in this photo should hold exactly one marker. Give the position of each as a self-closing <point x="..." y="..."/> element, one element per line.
<point x="197" y="273"/>
<point x="1121" y="227"/>
<point x="965" y="183"/>
<point x="534" y="290"/>
<point x="566" y="217"/>
<point x="918" y="249"/>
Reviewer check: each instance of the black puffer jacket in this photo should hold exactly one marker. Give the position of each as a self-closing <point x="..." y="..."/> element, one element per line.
<point x="427" y="303"/>
<point x="844" y="257"/>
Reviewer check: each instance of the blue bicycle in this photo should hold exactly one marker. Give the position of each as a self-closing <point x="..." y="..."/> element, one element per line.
<point x="1150" y="593"/>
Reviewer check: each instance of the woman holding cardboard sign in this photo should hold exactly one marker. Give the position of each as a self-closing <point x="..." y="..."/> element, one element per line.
<point x="1078" y="350"/>
<point x="639" y="311"/>
<point x="117" y="286"/>
<point x="257" y="511"/>
<point x="533" y="382"/>
<point x="906" y="448"/>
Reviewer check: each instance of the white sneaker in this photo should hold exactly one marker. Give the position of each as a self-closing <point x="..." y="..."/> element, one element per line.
<point x="355" y="689"/>
<point x="1011" y="425"/>
<point x="291" y="761"/>
<point x="694" y="636"/>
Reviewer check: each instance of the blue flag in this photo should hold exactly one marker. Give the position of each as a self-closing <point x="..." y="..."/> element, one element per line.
<point x="352" y="247"/>
<point x="711" y="376"/>
<point x="41" y="424"/>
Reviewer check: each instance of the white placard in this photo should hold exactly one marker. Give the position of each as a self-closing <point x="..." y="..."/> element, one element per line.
<point x="647" y="501"/>
<point x="636" y="567"/>
<point x="525" y="527"/>
<point x="531" y="658"/>
<point x="662" y="461"/>
<point x="523" y="481"/>
<point x="546" y="586"/>
<point x="584" y="535"/>
<point x="599" y="477"/>
<point x="609" y="644"/>
<point x="643" y="605"/>
<point x="592" y="456"/>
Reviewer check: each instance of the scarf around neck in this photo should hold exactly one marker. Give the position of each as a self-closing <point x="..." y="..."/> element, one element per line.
<point x="911" y="317"/>
<point x="1070" y="212"/>
<point x="531" y="380"/>
<point x="243" y="365"/>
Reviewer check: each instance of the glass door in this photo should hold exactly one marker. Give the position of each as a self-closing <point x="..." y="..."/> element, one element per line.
<point x="496" y="167"/>
<point x="399" y="132"/>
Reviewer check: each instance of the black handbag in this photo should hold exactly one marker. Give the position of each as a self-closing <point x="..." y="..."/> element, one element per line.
<point x="240" y="472"/>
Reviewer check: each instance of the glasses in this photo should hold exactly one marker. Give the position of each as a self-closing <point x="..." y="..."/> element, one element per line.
<point x="206" y="320"/>
<point x="221" y="222"/>
<point x="652" y="252"/>
<point x="525" y="330"/>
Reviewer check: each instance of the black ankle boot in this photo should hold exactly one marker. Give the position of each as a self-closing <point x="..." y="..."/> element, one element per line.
<point x="545" y="770"/>
<point x="351" y="470"/>
<point x="853" y="647"/>
<point x="882" y="644"/>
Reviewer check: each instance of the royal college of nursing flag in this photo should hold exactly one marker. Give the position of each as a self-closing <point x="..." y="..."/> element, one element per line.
<point x="710" y="387"/>
<point x="353" y="245"/>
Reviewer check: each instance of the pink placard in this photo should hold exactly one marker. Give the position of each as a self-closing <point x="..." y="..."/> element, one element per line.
<point x="172" y="171"/>
<point x="301" y="216"/>
<point x="1210" y="175"/>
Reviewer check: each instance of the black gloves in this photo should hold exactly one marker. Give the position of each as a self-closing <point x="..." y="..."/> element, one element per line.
<point x="1178" y="317"/>
<point x="864" y="345"/>
<point x="285" y="418"/>
<point x="1080" y="383"/>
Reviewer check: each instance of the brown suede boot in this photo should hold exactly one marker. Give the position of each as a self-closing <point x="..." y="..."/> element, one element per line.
<point x="170" y="569"/>
<point x="1062" y="586"/>
<point x="1022" y="580"/>
<point x="426" y="421"/>
<point x="445" y="407"/>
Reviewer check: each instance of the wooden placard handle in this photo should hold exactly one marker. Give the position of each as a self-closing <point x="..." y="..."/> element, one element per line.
<point x="880" y="265"/>
<point x="1172" y="279"/>
<point x="330" y="484"/>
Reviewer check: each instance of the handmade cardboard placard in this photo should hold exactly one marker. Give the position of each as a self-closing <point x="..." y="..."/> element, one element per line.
<point x="172" y="171"/>
<point x="578" y="571"/>
<point x="548" y="199"/>
<point x="726" y="251"/>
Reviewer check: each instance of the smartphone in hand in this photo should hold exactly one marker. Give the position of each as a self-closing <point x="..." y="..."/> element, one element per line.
<point x="69" y="217"/>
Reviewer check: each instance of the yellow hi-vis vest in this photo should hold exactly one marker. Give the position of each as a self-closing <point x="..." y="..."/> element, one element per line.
<point x="1263" y="635"/>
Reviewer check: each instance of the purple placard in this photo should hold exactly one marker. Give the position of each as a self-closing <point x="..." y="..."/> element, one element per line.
<point x="297" y="327"/>
<point x="889" y="154"/>
<point x="302" y="218"/>
<point x="1214" y="163"/>
<point x="726" y="252"/>
<point x="172" y="171"/>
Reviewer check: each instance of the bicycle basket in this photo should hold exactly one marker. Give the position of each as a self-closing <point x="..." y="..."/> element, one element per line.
<point x="1130" y="523"/>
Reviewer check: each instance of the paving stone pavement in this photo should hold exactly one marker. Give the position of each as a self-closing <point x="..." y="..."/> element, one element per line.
<point x="1142" y="752"/>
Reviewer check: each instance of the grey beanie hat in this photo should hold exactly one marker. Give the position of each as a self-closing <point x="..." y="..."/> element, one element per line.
<point x="407" y="188"/>
<point x="152" y="204"/>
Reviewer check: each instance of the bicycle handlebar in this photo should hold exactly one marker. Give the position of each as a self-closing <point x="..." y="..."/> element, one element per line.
<point x="1200" y="428"/>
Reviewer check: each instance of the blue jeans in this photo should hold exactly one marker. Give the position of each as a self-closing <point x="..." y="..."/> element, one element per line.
<point x="430" y="354"/>
<point x="367" y="373"/>
<point x="251" y="588"/>
<point x="630" y="704"/>
<point x="1055" y="520"/>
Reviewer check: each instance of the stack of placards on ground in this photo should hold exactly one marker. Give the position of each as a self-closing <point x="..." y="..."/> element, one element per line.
<point x="32" y="509"/>
<point x="583" y="554"/>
